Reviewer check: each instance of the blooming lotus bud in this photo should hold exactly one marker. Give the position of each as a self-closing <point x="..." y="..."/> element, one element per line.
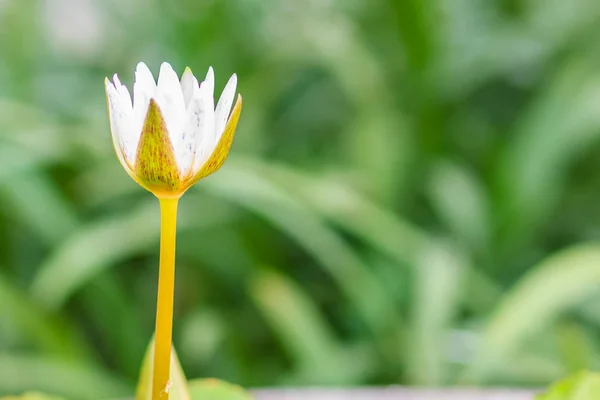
<point x="171" y="135"/>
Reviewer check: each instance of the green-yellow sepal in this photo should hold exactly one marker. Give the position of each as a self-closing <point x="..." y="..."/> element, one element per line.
<point x="155" y="164"/>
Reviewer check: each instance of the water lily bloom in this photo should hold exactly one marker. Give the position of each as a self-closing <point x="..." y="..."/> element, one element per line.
<point x="171" y="135"/>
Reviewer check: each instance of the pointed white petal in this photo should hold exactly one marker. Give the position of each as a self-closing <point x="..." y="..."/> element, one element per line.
<point x="116" y="81"/>
<point x="196" y="85"/>
<point x="169" y="98"/>
<point x="144" y="88"/>
<point x="198" y="128"/>
<point x="208" y="90"/>
<point x="120" y="112"/>
<point x="208" y="86"/>
<point x="224" y="106"/>
<point x="187" y="86"/>
<point x="209" y="82"/>
<point x="144" y="77"/>
<point x="123" y="91"/>
<point x="205" y="139"/>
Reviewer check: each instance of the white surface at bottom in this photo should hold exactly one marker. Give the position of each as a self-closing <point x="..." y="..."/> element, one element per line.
<point x="393" y="393"/>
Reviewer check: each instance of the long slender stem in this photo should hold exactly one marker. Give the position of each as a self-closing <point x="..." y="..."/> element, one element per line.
<point x="164" y="307"/>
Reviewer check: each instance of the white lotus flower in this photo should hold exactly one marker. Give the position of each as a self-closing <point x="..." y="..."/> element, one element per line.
<point x="171" y="135"/>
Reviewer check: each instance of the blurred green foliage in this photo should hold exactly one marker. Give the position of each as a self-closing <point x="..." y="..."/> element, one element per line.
<point x="411" y="197"/>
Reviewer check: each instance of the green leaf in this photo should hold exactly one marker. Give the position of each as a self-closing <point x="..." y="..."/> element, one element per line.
<point x="241" y="184"/>
<point x="78" y="259"/>
<point x="318" y="354"/>
<point x="581" y="386"/>
<point x="178" y="389"/>
<point x="48" y="332"/>
<point x="557" y="284"/>
<point x="214" y="389"/>
<point x="438" y="285"/>
<point x="559" y="126"/>
<point x="33" y="199"/>
<point x="460" y="200"/>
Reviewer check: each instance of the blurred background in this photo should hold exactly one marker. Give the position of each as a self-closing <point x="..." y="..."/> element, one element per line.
<point x="411" y="198"/>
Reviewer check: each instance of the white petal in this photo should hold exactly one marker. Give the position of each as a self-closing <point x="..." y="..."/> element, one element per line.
<point x="120" y="113"/>
<point x="208" y="87"/>
<point x="169" y="98"/>
<point x="196" y="92"/>
<point x="209" y="83"/>
<point x="123" y="91"/>
<point x="205" y="139"/>
<point x="199" y="126"/>
<point x="144" y="89"/>
<point x="188" y="81"/>
<point x="224" y="106"/>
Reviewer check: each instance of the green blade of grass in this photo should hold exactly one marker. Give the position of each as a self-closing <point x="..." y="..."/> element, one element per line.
<point x="552" y="287"/>
<point x="307" y="337"/>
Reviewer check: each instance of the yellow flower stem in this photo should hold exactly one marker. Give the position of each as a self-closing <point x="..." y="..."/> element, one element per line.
<point x="164" y="307"/>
